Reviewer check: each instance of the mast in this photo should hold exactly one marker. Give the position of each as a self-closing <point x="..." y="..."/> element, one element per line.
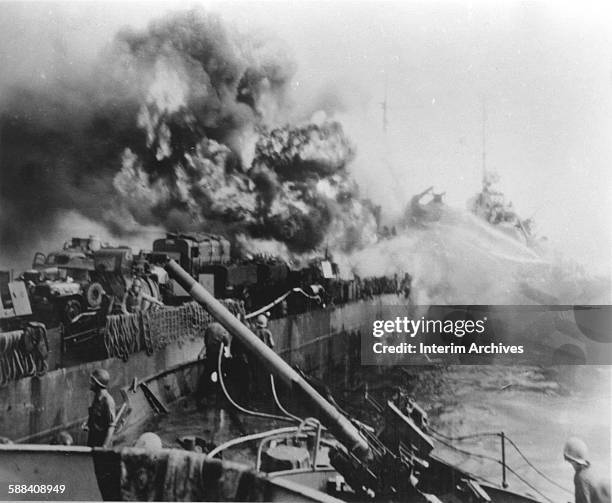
<point x="484" y="139"/>
<point x="383" y="105"/>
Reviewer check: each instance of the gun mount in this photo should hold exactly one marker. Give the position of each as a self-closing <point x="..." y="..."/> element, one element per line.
<point x="344" y="430"/>
<point x="385" y="464"/>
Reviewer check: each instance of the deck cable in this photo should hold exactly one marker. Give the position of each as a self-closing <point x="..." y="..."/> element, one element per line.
<point x="279" y="405"/>
<point x="498" y="461"/>
<point x="464" y="437"/>
<point x="236" y="405"/>
<point x="291" y="417"/>
<point x="513" y="444"/>
<point x="278" y="300"/>
<point x="533" y="467"/>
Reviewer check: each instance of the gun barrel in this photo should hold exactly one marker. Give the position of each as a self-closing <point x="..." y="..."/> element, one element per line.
<point x="336" y="422"/>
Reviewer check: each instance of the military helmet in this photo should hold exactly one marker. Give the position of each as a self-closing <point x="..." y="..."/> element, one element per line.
<point x="216" y="333"/>
<point x="64" y="438"/>
<point x="576" y="450"/>
<point x="148" y="441"/>
<point x="100" y="377"/>
<point x="262" y="321"/>
<point x="138" y="282"/>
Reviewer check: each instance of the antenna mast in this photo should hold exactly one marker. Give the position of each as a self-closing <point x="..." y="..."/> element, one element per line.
<point x="383" y="105"/>
<point x="484" y="138"/>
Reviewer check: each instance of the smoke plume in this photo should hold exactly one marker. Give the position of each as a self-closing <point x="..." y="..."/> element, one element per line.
<point x="181" y="126"/>
<point x="189" y="125"/>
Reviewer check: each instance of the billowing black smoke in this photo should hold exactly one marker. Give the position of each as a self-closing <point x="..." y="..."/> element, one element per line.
<point x="180" y="126"/>
<point x="59" y="149"/>
<point x="302" y="183"/>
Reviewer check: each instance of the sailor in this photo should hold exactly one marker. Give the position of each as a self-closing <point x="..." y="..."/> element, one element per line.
<point x="263" y="332"/>
<point x="215" y="337"/>
<point x="588" y="488"/>
<point x="260" y="376"/>
<point x="136" y="300"/>
<point x="238" y="367"/>
<point x="101" y="411"/>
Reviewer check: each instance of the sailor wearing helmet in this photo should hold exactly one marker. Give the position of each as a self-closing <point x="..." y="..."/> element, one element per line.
<point x="101" y="411"/>
<point x="260" y="377"/>
<point x="136" y="299"/>
<point x="262" y="330"/>
<point x="588" y="489"/>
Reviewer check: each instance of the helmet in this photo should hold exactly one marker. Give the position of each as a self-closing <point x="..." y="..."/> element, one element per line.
<point x="216" y="334"/>
<point x="137" y="283"/>
<point x="64" y="438"/>
<point x="149" y="441"/>
<point x="262" y="321"/>
<point x="576" y="451"/>
<point x="100" y="377"/>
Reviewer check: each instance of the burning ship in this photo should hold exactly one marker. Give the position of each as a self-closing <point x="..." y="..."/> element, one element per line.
<point x="187" y="129"/>
<point x="327" y="455"/>
<point x="313" y="311"/>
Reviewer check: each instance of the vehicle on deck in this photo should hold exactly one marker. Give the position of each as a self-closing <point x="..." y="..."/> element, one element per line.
<point x="323" y="454"/>
<point x="62" y="285"/>
<point x="310" y="307"/>
<point x="257" y="280"/>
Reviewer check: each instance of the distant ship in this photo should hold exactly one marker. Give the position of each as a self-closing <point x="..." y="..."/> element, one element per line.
<point x="492" y="206"/>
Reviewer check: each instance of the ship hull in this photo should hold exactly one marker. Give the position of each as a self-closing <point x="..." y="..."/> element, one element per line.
<point x="34" y="409"/>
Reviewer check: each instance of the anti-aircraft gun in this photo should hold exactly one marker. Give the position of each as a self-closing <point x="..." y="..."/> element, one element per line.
<point x="392" y="463"/>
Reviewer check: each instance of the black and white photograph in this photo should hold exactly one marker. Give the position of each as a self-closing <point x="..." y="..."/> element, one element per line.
<point x="307" y="251"/>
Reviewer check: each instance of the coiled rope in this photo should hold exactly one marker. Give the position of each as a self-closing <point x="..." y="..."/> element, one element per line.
<point x="23" y="353"/>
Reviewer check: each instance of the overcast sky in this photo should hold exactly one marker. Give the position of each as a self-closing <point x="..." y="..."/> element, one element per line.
<point x="544" y="71"/>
